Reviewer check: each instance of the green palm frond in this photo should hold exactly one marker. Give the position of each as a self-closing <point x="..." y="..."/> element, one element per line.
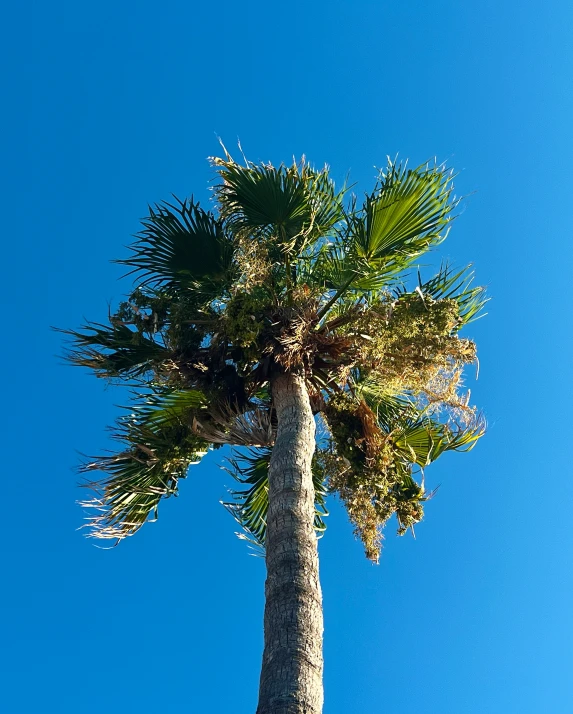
<point x="373" y="453"/>
<point x="113" y="350"/>
<point x="417" y="437"/>
<point x="451" y="285"/>
<point x="250" y="505"/>
<point x="180" y="246"/>
<point x="295" y="205"/>
<point x="390" y="408"/>
<point x="262" y="199"/>
<point x="326" y="202"/>
<point x="424" y="440"/>
<point x="155" y="457"/>
<point x="171" y="408"/>
<point x="407" y="214"/>
<point x="335" y="268"/>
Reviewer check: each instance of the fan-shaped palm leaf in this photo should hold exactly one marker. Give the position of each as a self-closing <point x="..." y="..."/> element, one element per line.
<point x="448" y="284"/>
<point x="423" y="441"/>
<point x="114" y="350"/>
<point x="156" y="456"/>
<point x="180" y="246"/>
<point x="405" y="215"/>
<point x="294" y="204"/>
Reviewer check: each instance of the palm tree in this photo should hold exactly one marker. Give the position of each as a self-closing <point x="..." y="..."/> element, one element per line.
<point x="281" y="310"/>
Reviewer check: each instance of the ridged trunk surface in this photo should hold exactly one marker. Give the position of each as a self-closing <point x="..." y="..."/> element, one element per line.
<point x="291" y="676"/>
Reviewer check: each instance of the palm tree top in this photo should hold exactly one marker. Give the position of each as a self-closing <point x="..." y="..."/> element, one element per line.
<point x="286" y="273"/>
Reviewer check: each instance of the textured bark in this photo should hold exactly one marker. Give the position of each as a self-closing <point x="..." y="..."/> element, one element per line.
<point x="291" y="676"/>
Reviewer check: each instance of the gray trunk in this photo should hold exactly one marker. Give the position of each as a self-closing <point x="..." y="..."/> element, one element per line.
<point x="291" y="676"/>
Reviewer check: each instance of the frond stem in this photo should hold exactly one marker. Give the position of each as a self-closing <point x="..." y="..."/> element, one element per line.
<point x="334" y="298"/>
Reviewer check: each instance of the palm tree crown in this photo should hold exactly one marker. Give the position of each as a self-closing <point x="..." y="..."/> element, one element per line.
<point x="288" y="274"/>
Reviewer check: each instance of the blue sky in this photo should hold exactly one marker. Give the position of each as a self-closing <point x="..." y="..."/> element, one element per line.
<point x="110" y="106"/>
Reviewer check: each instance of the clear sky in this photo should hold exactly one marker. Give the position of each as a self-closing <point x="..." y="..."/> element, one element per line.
<point x="112" y="105"/>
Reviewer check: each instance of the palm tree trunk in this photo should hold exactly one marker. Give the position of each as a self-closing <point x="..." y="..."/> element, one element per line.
<point x="291" y="676"/>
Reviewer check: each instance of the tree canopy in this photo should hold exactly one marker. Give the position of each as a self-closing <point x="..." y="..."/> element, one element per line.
<point x="286" y="272"/>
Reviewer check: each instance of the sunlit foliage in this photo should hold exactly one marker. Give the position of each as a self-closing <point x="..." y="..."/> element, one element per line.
<point x="285" y="272"/>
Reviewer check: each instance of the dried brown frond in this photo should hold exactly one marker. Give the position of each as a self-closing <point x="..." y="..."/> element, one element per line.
<point x="442" y="394"/>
